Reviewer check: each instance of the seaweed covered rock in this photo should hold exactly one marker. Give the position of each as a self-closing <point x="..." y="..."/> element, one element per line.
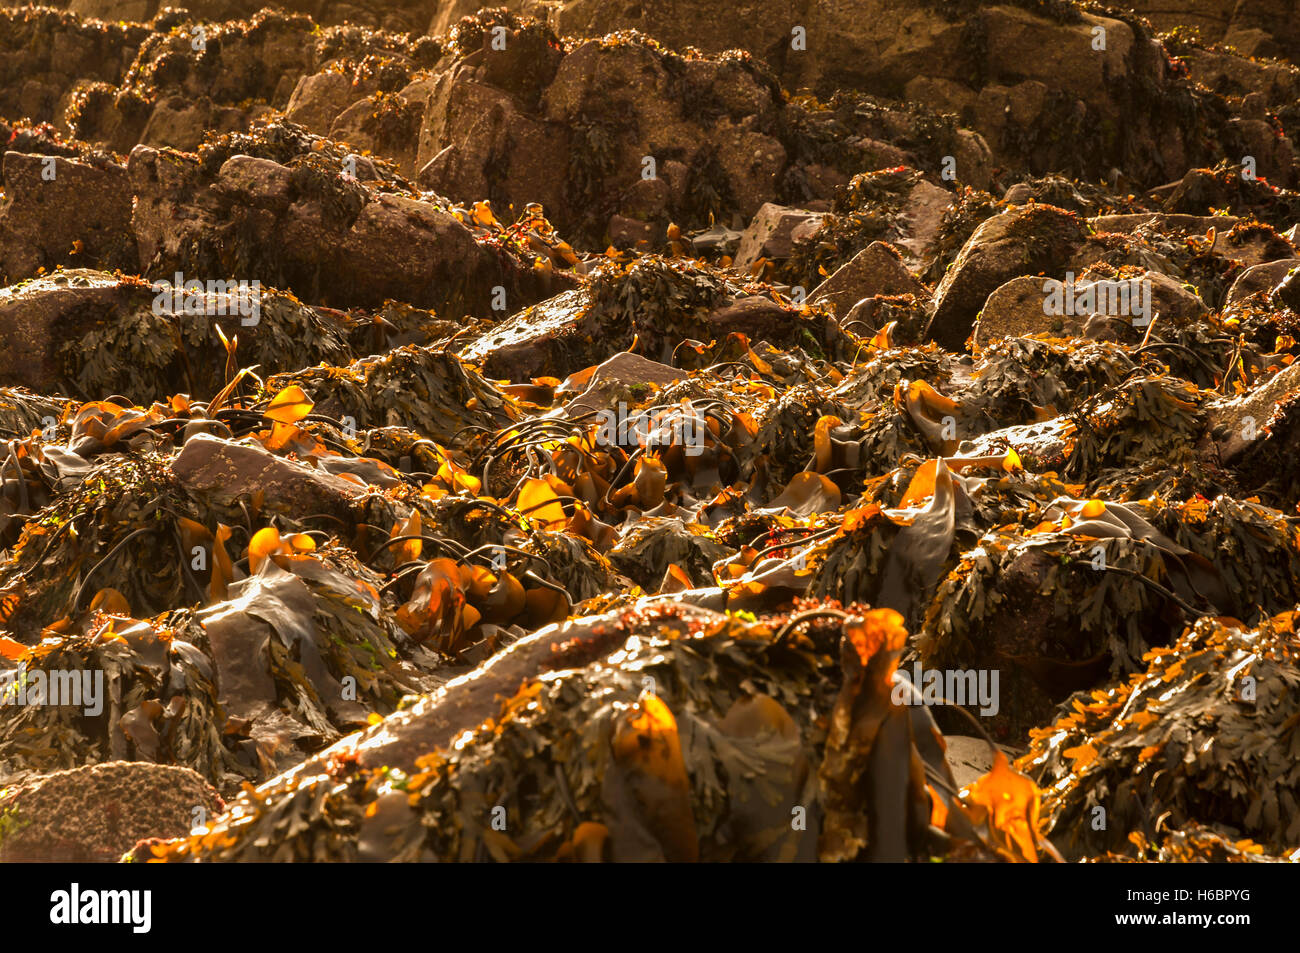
<point x="548" y="754"/>
<point x="1204" y="731"/>
<point x="772" y="234"/>
<point x="46" y="52"/>
<point x="277" y="665"/>
<point x="542" y="440"/>
<point x="1008" y="67"/>
<point x="659" y="303"/>
<point x="210" y="465"/>
<point x="598" y="124"/>
<point x="82" y="331"/>
<point x="1262" y="277"/>
<point x="425" y="388"/>
<point x="318" y="232"/>
<point x="403" y="15"/>
<point x="481" y="134"/>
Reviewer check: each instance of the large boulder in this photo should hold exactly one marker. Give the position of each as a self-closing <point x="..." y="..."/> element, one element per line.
<point x="1016" y="308"/>
<point x="1269" y="83"/>
<point x="179" y="122"/>
<point x="38" y="316"/>
<point x="449" y="12"/>
<point x="477" y="141"/>
<point x="45" y="53"/>
<point x="1255" y="28"/>
<point x="623" y="378"/>
<point x="59" y="211"/>
<point x="706" y="124"/>
<point x="926" y="203"/>
<point x="385" y="124"/>
<point x="1018" y="241"/>
<point x="325" y="236"/>
<point x="318" y="100"/>
<point x="1174" y="302"/>
<point x="1026" y="305"/>
<point x="1234" y="426"/>
<point x="90" y="334"/>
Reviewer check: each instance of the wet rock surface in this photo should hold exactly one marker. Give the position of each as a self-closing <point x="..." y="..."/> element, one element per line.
<point x="590" y="431"/>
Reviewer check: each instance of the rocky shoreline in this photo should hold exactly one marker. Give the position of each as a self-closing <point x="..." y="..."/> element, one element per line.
<point x="586" y="431"/>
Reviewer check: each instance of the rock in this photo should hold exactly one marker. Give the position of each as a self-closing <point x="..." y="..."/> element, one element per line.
<point x="260" y="183"/>
<point x="328" y="238"/>
<point x="318" y="100"/>
<point x="988" y="63"/>
<point x="876" y="270"/>
<point x="96" y="814"/>
<point x="438" y="718"/>
<point x="975" y="161"/>
<point x="46" y="53"/>
<point x="80" y="216"/>
<point x="136" y="11"/>
<point x="772" y="234"/>
<point x="629" y="233"/>
<point x="1264" y="466"/>
<point x="1255" y="28"/>
<point x="523" y="64"/>
<point x="56" y="333"/>
<point x="178" y="122"/>
<point x="968" y="758"/>
<point x="1100" y="327"/>
<point x="1166" y="223"/>
<point x="622" y="378"/>
<point x="1015" y="309"/>
<point x="1234" y="239"/>
<point x="1234" y="426"/>
<point x="648" y="199"/>
<point x="1253" y="244"/>
<point x="717" y="240"/>
<point x="447" y="14"/>
<point x="758" y="318"/>
<point x="760" y="26"/>
<point x="714" y="117"/>
<point x="579" y="328"/>
<point x="386" y="124"/>
<point x="1234" y="75"/>
<point x="1043" y="445"/>
<point x="1018" y="307"/>
<point x="1020" y="240"/>
<point x="1019" y="194"/>
<point x="476" y="142"/>
<point x="1203" y="189"/>
<point x="227" y="470"/>
<point x="1288" y="291"/>
<point x="38" y="316"/>
<point x="923" y="212"/>
<point x="1173" y="301"/>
